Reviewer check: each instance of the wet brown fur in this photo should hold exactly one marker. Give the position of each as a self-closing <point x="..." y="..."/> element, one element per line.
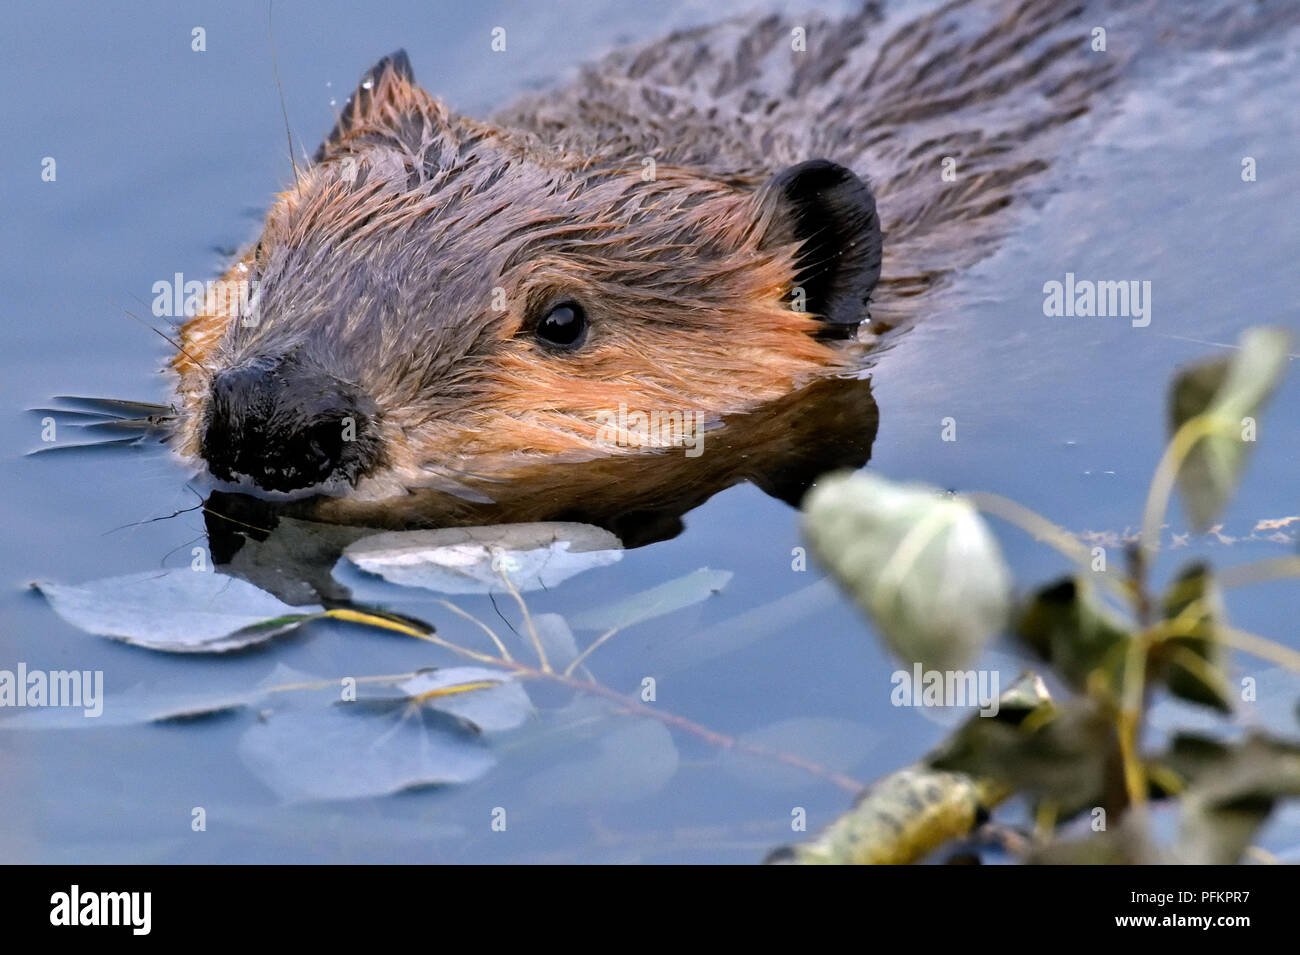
<point x="382" y="261"/>
<point x="687" y="308"/>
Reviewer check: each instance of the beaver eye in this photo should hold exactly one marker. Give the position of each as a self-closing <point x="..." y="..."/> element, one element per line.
<point x="564" y="326"/>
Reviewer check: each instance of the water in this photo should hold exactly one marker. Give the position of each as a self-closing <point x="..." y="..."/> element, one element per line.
<point x="164" y="154"/>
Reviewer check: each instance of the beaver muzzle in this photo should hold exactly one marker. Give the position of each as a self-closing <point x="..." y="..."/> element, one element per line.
<point x="286" y="425"/>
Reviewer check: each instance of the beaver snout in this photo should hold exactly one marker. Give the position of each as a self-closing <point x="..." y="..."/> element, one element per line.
<point x="286" y="425"/>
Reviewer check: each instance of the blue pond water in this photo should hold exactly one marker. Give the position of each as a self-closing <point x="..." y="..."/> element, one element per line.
<point x="165" y="154"/>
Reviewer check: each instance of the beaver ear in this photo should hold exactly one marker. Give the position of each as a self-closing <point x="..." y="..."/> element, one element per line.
<point x="831" y="214"/>
<point x="388" y="85"/>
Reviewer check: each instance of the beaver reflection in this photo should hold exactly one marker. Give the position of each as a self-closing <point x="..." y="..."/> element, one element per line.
<point x="829" y="423"/>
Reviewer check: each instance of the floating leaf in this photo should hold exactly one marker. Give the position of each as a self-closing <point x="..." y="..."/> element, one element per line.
<point x="1194" y="664"/>
<point x="1067" y="628"/>
<point x="923" y="565"/>
<point x="176" y="610"/>
<point x="360" y="749"/>
<point x="1224" y="391"/>
<point x="140" y="704"/>
<point x="471" y="560"/>
<point x="490" y="699"/>
<point x="674" y="595"/>
<point x="175" y="700"/>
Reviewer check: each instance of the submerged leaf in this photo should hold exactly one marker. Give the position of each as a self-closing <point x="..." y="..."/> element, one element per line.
<point x="556" y="639"/>
<point x="1225" y="391"/>
<point x="674" y="595"/>
<point x="472" y="560"/>
<point x="176" y="610"/>
<point x="921" y="564"/>
<point x="672" y="653"/>
<point x="834" y="744"/>
<point x="400" y="733"/>
<point x="360" y="749"/>
<point x="632" y="759"/>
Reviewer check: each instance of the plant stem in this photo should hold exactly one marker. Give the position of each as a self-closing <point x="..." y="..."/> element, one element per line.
<point x="1162" y="482"/>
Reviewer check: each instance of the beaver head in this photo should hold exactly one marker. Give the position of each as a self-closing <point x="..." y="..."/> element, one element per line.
<point x="438" y="299"/>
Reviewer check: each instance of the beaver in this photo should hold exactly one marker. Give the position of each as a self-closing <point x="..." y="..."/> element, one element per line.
<point x="448" y="310"/>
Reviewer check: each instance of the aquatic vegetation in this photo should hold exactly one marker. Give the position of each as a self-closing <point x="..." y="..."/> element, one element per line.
<point x="926" y="572"/>
<point x="920" y="562"/>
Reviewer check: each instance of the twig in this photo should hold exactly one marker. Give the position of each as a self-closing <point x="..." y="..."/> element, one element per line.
<point x="531" y="630"/>
<point x="501" y="647"/>
<point x="568" y="671"/>
<point x="623" y="703"/>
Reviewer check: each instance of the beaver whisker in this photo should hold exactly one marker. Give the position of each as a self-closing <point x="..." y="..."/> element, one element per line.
<point x="284" y="110"/>
<point x="167" y="338"/>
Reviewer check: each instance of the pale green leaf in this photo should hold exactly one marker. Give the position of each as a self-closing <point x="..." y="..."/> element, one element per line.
<point x="922" y="564"/>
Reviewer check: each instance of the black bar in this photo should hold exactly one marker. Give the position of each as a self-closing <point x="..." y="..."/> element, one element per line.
<point x="376" y="904"/>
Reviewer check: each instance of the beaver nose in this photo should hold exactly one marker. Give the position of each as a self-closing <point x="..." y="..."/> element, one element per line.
<point x="286" y="426"/>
